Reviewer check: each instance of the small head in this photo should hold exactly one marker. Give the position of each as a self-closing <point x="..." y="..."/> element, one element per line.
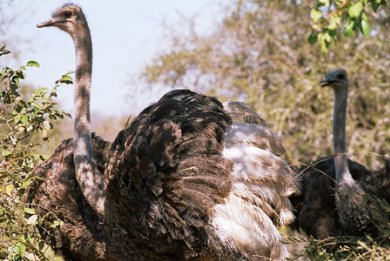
<point x="68" y="18"/>
<point x="335" y="78"/>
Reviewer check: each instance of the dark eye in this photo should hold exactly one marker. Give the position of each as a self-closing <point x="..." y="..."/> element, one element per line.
<point x="67" y="14"/>
<point x="340" y="76"/>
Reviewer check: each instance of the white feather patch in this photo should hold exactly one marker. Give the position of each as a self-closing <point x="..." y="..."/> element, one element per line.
<point x="261" y="181"/>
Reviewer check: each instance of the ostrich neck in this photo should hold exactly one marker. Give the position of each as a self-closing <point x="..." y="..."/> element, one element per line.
<point x="339" y="138"/>
<point x="89" y="178"/>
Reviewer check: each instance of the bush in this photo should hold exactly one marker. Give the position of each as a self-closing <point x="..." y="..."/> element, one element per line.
<point x="20" y="118"/>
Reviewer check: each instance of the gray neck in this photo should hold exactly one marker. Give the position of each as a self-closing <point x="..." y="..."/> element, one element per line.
<point x="89" y="178"/>
<point x="339" y="137"/>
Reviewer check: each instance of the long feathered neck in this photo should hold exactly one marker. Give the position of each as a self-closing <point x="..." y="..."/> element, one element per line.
<point x="89" y="178"/>
<point x="339" y="139"/>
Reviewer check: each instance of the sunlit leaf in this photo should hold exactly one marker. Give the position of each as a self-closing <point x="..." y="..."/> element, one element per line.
<point x="315" y="15"/>
<point x="56" y="223"/>
<point x="19" y="248"/>
<point x="365" y="25"/>
<point x="32" y="64"/>
<point x="348" y="30"/>
<point x="41" y="90"/>
<point x="9" y="189"/>
<point x="355" y="10"/>
<point x="26" y="183"/>
<point x="24" y="118"/>
<point x="32" y="220"/>
<point x="67" y="79"/>
<point x="6" y="152"/>
<point x="334" y="22"/>
<point x="30" y="211"/>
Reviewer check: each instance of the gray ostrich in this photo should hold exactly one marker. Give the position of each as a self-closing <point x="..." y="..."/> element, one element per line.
<point x="337" y="192"/>
<point x="351" y="204"/>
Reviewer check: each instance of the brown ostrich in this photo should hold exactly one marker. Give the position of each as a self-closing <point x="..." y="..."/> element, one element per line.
<point x="336" y="191"/>
<point x="188" y="179"/>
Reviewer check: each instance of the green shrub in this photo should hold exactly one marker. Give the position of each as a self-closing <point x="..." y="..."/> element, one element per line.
<point x="20" y="118"/>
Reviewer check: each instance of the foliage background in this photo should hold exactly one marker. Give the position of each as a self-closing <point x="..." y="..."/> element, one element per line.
<point x="259" y="53"/>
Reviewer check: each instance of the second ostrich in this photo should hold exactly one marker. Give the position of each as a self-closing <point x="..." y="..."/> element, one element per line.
<point x="337" y="191"/>
<point x="351" y="202"/>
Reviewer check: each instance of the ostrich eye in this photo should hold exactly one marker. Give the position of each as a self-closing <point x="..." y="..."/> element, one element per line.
<point x="340" y="76"/>
<point x="67" y="14"/>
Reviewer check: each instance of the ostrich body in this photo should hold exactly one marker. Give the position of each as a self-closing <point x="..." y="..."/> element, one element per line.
<point x="316" y="206"/>
<point x="335" y="189"/>
<point x="188" y="179"/>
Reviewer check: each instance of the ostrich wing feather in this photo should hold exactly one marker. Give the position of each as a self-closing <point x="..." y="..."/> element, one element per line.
<point x="167" y="172"/>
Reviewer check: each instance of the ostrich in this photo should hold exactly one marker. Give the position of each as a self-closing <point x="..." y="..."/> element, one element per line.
<point x="336" y="189"/>
<point x="190" y="178"/>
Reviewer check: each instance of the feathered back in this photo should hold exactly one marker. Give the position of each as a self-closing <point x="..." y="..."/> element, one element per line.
<point x="166" y="173"/>
<point x="183" y="181"/>
<point x="249" y="128"/>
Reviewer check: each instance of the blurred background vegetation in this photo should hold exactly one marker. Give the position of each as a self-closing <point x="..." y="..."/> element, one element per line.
<point x="269" y="54"/>
<point x="260" y="54"/>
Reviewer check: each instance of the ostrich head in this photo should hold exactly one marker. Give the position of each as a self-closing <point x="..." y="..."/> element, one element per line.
<point x="68" y="18"/>
<point x="337" y="78"/>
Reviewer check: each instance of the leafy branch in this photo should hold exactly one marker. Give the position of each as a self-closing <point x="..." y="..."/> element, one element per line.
<point x="332" y="17"/>
<point x="21" y="116"/>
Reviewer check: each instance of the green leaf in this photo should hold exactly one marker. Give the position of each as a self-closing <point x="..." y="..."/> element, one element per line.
<point x="348" y="29"/>
<point x="40" y="90"/>
<point x="365" y="26"/>
<point x="24" y="118"/>
<point x="56" y="223"/>
<point x="375" y="4"/>
<point x="19" y="248"/>
<point x="324" y="39"/>
<point x="26" y="183"/>
<point x="315" y="14"/>
<point x="66" y="79"/>
<point x="8" y="189"/>
<point x="4" y="51"/>
<point x="41" y="245"/>
<point x="355" y="10"/>
<point x="6" y="153"/>
<point x="30" y="211"/>
<point x="334" y="22"/>
<point x="312" y="38"/>
<point x="32" y="64"/>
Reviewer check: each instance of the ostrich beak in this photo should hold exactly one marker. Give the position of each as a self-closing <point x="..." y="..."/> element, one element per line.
<point x="325" y="82"/>
<point x="50" y="22"/>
